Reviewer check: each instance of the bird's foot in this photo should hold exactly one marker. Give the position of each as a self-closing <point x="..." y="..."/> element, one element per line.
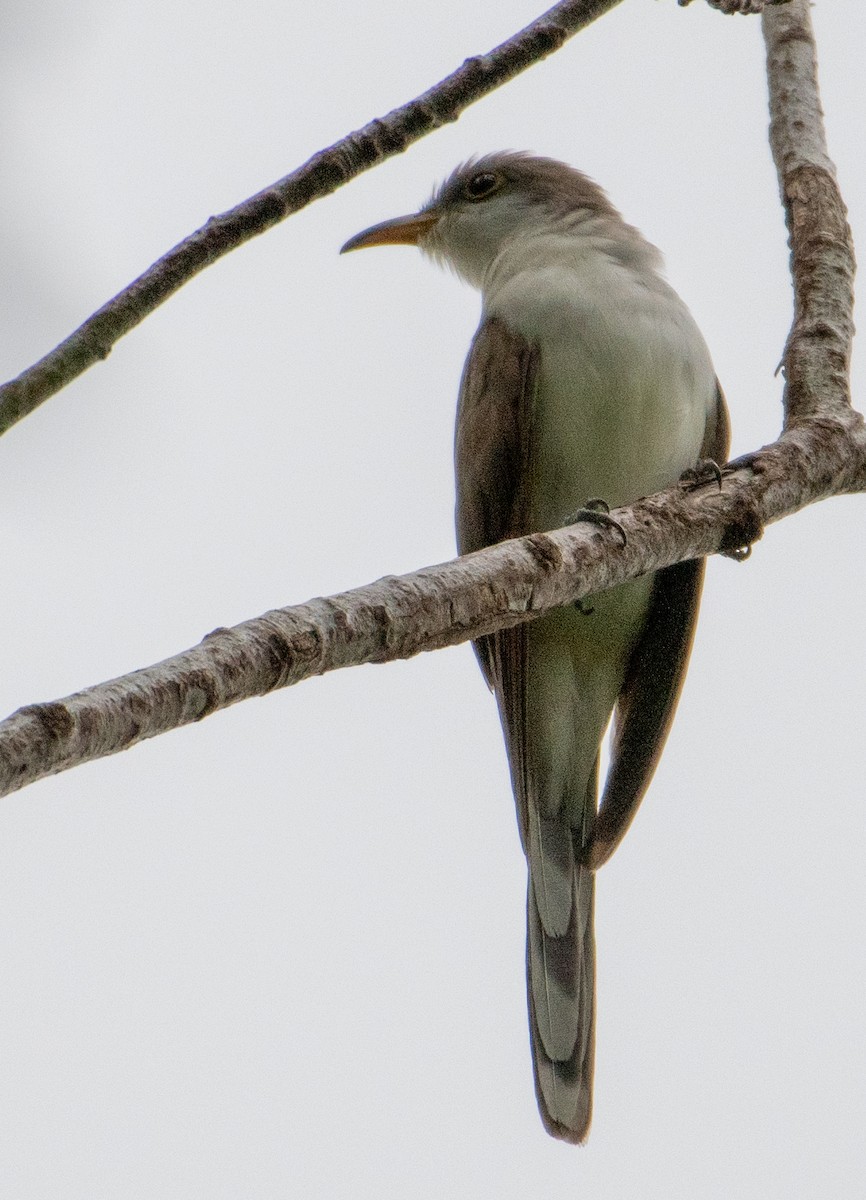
<point x="750" y="462"/>
<point x="706" y="470"/>
<point x="597" y="512"/>
<point x="746" y="462"/>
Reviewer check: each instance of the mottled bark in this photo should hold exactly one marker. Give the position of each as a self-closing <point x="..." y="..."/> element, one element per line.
<point x="438" y="606"/>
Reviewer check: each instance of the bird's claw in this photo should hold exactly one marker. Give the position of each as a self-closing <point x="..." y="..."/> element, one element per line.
<point x="706" y="470"/>
<point x="597" y="512"/>
<point x="745" y="462"/>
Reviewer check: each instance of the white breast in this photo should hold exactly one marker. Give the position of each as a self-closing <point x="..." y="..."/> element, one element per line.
<point x="625" y="381"/>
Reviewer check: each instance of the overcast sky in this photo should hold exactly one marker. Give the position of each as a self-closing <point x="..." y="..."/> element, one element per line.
<point x="280" y="953"/>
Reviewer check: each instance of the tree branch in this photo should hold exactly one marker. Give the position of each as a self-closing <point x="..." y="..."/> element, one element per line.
<point x="319" y="176"/>
<point x="438" y="606"/>
<point x="818" y="351"/>
<point x="822" y="452"/>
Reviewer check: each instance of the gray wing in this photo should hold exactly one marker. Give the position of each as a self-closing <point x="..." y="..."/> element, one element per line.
<point x="493" y="444"/>
<point x="648" y="700"/>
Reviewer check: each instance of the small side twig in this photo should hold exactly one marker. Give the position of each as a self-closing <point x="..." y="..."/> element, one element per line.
<point x="745" y="8"/>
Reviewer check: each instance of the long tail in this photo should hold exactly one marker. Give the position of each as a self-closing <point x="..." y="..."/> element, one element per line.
<point x="560" y="965"/>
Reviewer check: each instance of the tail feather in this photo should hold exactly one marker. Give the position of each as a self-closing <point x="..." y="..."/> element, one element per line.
<point x="561" y="993"/>
<point x="550" y="854"/>
<point x="554" y="983"/>
<point x="560" y="960"/>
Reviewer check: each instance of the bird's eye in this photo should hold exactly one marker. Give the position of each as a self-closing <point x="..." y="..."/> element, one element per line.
<point x="480" y="186"/>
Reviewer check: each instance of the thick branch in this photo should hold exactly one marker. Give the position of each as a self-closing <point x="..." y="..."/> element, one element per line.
<point x="319" y="176"/>
<point x="438" y="606"/>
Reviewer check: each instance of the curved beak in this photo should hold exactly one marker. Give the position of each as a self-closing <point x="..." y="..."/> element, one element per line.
<point x="400" y="231"/>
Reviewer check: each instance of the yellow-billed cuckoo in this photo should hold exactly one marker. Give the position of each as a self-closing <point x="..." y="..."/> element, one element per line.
<point x="587" y="377"/>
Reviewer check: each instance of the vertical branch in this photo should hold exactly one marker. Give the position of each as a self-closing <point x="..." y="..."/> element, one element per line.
<point x="818" y="351"/>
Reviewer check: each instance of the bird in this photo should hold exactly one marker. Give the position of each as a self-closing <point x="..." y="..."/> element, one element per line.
<point x="586" y="378"/>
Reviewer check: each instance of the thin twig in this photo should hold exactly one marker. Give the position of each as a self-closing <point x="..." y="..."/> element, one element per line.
<point x="745" y="8"/>
<point x="319" y="176"/>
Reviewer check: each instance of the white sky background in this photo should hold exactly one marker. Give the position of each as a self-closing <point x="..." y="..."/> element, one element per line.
<point x="281" y="953"/>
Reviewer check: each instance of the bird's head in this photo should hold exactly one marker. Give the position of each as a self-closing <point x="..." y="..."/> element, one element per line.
<point x="488" y="202"/>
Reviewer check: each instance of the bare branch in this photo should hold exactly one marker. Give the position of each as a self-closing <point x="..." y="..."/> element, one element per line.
<point x="818" y="351"/>
<point x="816" y="363"/>
<point x="319" y="176"/>
<point x="439" y="606"/>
